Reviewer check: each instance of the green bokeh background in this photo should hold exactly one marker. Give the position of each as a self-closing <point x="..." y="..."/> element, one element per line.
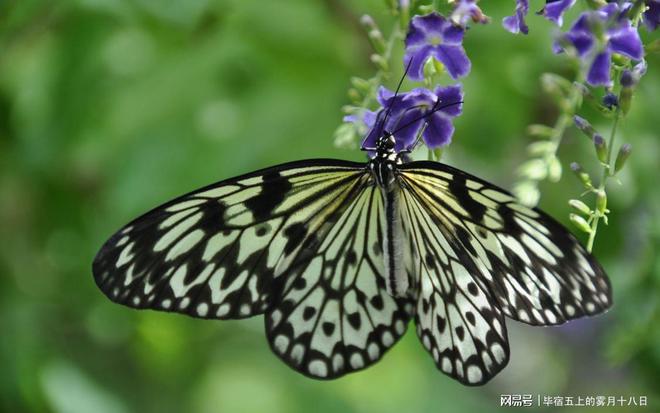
<point x="110" y="107"/>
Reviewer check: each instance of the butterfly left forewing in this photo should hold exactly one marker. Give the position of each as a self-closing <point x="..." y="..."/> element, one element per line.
<point x="220" y="251"/>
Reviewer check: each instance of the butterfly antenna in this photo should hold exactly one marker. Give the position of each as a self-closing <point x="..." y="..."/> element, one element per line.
<point x="396" y="93"/>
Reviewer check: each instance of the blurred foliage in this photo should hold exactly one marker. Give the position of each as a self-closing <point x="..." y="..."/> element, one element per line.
<point x="110" y="107"/>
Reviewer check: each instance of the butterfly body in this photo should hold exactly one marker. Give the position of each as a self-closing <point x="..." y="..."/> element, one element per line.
<point x="339" y="257"/>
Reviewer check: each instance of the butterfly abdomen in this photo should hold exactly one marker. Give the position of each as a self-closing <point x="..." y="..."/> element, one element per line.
<point x="397" y="280"/>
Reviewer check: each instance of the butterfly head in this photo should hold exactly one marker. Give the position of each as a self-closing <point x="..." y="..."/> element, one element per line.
<point x="386" y="143"/>
<point x="385" y="148"/>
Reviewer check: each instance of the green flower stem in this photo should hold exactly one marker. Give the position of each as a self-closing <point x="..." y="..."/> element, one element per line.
<point x="377" y="79"/>
<point x="544" y="163"/>
<point x="568" y="109"/>
<point x="607" y="173"/>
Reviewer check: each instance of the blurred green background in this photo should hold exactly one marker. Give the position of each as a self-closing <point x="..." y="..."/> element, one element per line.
<point x="110" y="107"/>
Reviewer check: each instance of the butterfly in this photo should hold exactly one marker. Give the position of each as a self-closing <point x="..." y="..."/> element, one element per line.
<point x="340" y="256"/>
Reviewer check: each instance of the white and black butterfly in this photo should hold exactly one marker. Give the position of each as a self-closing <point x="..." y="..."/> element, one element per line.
<point x="339" y="256"/>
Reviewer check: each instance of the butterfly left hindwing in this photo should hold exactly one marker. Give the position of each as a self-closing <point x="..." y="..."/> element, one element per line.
<point x="335" y="316"/>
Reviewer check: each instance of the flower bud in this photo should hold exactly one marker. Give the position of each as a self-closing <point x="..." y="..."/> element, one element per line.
<point x="344" y="136"/>
<point x="610" y="100"/>
<point x="534" y="169"/>
<point x="540" y="148"/>
<point x="601" y="202"/>
<point x="527" y="193"/>
<point x="361" y="84"/>
<point x="404" y="13"/>
<point x="627" y="79"/>
<point x="368" y="22"/>
<point x="601" y="148"/>
<point x="584" y="91"/>
<point x="377" y="40"/>
<point x="554" y="169"/>
<point x="580" y="223"/>
<point x="379" y="61"/>
<point x="625" y="98"/>
<point x="429" y="69"/>
<point x="541" y="131"/>
<point x="584" y="126"/>
<point x="582" y="175"/>
<point x="622" y="156"/>
<point x="579" y="206"/>
<point x="639" y="69"/>
<point x="555" y="85"/>
<point x="354" y="95"/>
<point x="392" y="4"/>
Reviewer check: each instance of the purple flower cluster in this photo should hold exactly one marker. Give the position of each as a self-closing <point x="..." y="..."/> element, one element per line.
<point x="597" y="34"/>
<point x="421" y="112"/>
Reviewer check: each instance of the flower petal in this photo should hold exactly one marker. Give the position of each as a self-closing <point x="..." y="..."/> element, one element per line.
<point x="439" y="130"/>
<point x="651" y="16"/>
<point x="406" y="127"/>
<point x="450" y="97"/>
<point x="625" y="40"/>
<point x="454" y="58"/>
<point x="516" y="23"/>
<point x="453" y="35"/>
<point x="465" y="10"/>
<point x="384" y="95"/>
<point x="599" y="72"/>
<point x="421" y="27"/>
<point x="419" y="56"/>
<point x="583" y="41"/>
<point x="554" y="10"/>
<point x="511" y="23"/>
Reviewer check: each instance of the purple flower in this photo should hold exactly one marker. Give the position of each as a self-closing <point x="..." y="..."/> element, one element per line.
<point x="516" y="23"/>
<point x="595" y="35"/>
<point x="554" y="10"/>
<point x="467" y="10"/>
<point x="434" y="36"/>
<point x="651" y="16"/>
<point x="410" y="111"/>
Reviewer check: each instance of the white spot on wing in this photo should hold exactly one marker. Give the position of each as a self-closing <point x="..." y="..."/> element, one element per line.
<point x="185" y="244"/>
<point x="178" y="230"/>
<point x="185" y="204"/>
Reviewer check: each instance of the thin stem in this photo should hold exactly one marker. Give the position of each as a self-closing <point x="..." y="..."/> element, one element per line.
<point x="377" y="79"/>
<point x="607" y="173"/>
<point x="566" y="118"/>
